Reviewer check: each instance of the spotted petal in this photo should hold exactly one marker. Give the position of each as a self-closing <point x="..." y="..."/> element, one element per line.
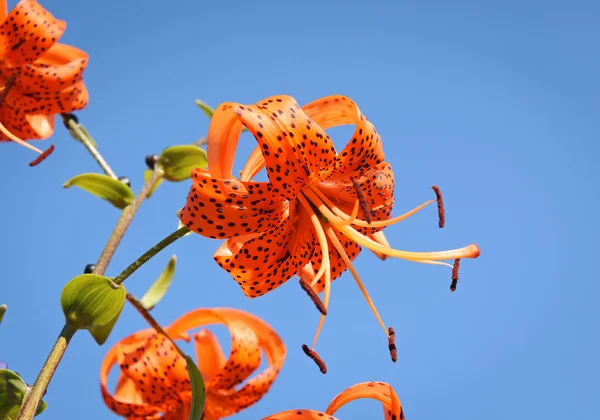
<point x="25" y="126"/>
<point x="375" y="390"/>
<point x="300" y="415"/>
<point x="28" y="31"/>
<point x="364" y="150"/>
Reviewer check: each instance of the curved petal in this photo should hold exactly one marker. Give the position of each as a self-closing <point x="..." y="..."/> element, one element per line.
<point x="221" y="141"/>
<point x="294" y="148"/>
<point x="224" y="402"/>
<point x="27" y="32"/>
<point x="261" y="263"/>
<point x="219" y="208"/>
<point x="3" y="10"/>
<point x="209" y="355"/>
<point x="364" y="149"/>
<point x="300" y="414"/>
<point x="376" y="390"/>
<point x="128" y="401"/>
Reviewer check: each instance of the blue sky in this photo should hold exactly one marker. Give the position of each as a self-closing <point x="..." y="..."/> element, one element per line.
<point x="495" y="102"/>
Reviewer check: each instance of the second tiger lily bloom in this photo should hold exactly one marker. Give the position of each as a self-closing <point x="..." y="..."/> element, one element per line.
<point x="318" y="208"/>
<point x="154" y="378"/>
<point x="392" y="409"/>
<point x="40" y="77"/>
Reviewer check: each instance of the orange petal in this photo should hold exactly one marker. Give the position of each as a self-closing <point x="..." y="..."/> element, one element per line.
<point x="364" y="150"/>
<point x="158" y="370"/>
<point x="26" y="127"/>
<point x="226" y="402"/>
<point x="27" y="32"/>
<point x="295" y="149"/>
<point x="300" y="414"/>
<point x="208" y="354"/>
<point x="264" y="262"/>
<point x="221" y="141"/>
<point x="375" y="390"/>
<point x="225" y="208"/>
<point x="3" y="10"/>
<point x="127" y="404"/>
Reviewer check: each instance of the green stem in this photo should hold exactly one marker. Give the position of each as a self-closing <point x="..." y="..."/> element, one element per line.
<point x="125" y="221"/>
<point x="78" y="132"/>
<point x="35" y="394"/>
<point x="151" y="253"/>
<point x="150" y="320"/>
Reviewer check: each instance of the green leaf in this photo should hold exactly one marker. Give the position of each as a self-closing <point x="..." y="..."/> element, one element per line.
<point x="101" y="334"/>
<point x="208" y="110"/>
<point x="147" y="175"/>
<point x="198" y="389"/>
<point x="90" y="301"/>
<point x="12" y="392"/>
<point x="159" y="288"/>
<point x="178" y="161"/>
<point x="3" y="309"/>
<point x="103" y="186"/>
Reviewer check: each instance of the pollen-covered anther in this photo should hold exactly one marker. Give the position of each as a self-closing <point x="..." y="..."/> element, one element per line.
<point x="455" y="268"/>
<point x="392" y="344"/>
<point x="316" y="358"/>
<point x="314" y="297"/>
<point x="43" y="156"/>
<point x="440" y="204"/>
<point x="362" y="200"/>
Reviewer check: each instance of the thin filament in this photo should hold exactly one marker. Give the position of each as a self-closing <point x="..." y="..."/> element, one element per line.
<point x="17" y="140"/>
<point x="471" y="251"/>
<point x="336" y="243"/>
<point x="352" y="217"/>
<point x="376" y="223"/>
<point x="321" y="238"/>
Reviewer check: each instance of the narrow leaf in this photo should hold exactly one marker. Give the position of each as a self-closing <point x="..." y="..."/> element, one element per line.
<point x="90" y="301"/>
<point x="147" y="175"/>
<point x="101" y="334"/>
<point x="3" y="309"/>
<point x="103" y="186"/>
<point x="159" y="288"/>
<point x="178" y="161"/>
<point x="198" y="389"/>
<point x="208" y="110"/>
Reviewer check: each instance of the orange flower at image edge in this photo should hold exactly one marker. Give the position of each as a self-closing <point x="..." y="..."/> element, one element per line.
<point x="40" y="77"/>
<point x="318" y="208"/>
<point x="392" y="409"/>
<point x="154" y="378"/>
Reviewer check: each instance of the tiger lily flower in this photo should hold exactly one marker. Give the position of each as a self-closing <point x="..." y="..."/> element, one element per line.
<point x="154" y="377"/>
<point x="318" y="208"/>
<point x="392" y="409"/>
<point x="38" y="76"/>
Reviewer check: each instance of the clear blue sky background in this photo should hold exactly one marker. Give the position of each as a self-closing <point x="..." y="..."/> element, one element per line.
<point x="495" y="102"/>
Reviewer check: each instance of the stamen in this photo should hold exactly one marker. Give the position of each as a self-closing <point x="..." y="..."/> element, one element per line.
<point x="376" y="223"/>
<point x="313" y="355"/>
<point x="455" y="274"/>
<point x="362" y="199"/>
<point x="313" y="296"/>
<point x="471" y="251"/>
<point x="392" y="344"/>
<point x="43" y="156"/>
<point x="11" y="136"/>
<point x="336" y="243"/>
<point x="380" y="238"/>
<point x="440" y="203"/>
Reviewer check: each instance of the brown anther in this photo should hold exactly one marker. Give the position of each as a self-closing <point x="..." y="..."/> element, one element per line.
<point x="362" y="201"/>
<point x="9" y="84"/>
<point x="314" y="297"/>
<point x="392" y="344"/>
<point x="455" y="274"/>
<point x="440" y="203"/>
<point x="43" y="156"/>
<point x="313" y="355"/>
